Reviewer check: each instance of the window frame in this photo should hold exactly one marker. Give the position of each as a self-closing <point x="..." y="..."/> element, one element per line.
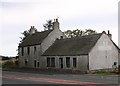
<point x="52" y="62"/>
<point x="68" y="62"/>
<point x="74" y="62"/>
<point x="48" y="62"/>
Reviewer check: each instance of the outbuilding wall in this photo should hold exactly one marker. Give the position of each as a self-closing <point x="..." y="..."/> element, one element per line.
<point x="103" y="54"/>
<point x="81" y="62"/>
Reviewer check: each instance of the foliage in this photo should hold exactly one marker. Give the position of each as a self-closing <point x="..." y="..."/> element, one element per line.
<point x="16" y="62"/>
<point x="90" y="32"/>
<point x="77" y="32"/>
<point x="74" y="33"/>
<point x="48" y="25"/>
<point x="9" y="64"/>
<point x="25" y="34"/>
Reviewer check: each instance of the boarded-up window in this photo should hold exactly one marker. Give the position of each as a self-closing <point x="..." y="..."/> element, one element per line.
<point x="28" y="50"/>
<point x="74" y="62"/>
<point x="67" y="61"/>
<point x="48" y="62"/>
<point x="52" y="62"/>
<point x="22" y="51"/>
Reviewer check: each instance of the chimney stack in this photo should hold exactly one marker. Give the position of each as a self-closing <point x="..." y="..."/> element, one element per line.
<point x="55" y="24"/>
<point x="109" y="35"/>
<point x="32" y="30"/>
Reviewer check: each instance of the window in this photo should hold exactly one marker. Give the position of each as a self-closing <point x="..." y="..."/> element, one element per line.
<point x="115" y="63"/>
<point x="74" y="62"/>
<point x="67" y="61"/>
<point x="52" y="62"/>
<point x="28" y="50"/>
<point x="34" y="49"/>
<point x="48" y="62"/>
<point x="22" y="51"/>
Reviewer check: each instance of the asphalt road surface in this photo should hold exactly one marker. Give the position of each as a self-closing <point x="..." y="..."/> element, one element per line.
<point x="10" y="77"/>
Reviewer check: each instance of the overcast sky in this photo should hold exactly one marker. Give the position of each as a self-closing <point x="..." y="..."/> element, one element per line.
<point x="19" y="15"/>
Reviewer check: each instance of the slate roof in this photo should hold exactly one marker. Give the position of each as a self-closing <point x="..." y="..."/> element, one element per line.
<point x="72" y="46"/>
<point x="35" y="39"/>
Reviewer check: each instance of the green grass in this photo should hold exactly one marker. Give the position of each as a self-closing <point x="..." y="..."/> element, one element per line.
<point x="106" y="72"/>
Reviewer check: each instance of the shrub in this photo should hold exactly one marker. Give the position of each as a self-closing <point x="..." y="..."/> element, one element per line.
<point x="8" y="64"/>
<point x="16" y="63"/>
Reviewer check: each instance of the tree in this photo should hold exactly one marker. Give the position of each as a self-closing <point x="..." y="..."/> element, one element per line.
<point x="90" y="32"/>
<point x="48" y="25"/>
<point x="25" y="34"/>
<point x="74" y="33"/>
<point x="68" y="33"/>
<point x="77" y="32"/>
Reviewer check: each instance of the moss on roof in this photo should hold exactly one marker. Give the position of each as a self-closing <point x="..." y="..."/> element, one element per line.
<point x="35" y="39"/>
<point x="73" y="46"/>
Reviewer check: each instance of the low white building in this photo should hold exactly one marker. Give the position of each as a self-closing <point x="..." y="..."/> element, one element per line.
<point x="51" y="49"/>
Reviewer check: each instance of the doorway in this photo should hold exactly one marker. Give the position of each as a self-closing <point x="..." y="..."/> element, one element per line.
<point x="35" y="63"/>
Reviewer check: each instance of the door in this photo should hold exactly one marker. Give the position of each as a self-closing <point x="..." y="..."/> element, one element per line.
<point x="35" y="63"/>
<point x="26" y="63"/>
<point x="38" y="64"/>
<point x="61" y="62"/>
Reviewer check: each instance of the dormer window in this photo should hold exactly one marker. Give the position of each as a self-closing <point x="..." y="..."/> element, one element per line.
<point x="61" y="37"/>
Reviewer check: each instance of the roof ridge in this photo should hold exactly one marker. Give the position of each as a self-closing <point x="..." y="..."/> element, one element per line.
<point x="81" y="36"/>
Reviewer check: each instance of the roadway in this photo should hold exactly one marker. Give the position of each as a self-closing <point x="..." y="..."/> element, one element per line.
<point x="12" y="77"/>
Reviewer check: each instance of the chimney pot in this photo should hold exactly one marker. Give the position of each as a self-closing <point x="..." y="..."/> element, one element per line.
<point x="109" y="35"/>
<point x="56" y="20"/>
